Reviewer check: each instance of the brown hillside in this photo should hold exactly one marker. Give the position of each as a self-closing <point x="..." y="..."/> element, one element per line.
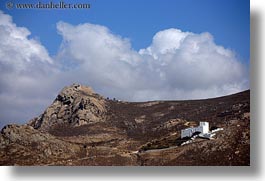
<point x="83" y="128"/>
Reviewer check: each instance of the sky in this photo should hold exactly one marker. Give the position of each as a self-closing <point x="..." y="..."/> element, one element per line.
<point x="132" y="50"/>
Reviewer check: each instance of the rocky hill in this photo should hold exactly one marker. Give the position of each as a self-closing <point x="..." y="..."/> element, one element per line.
<point x="74" y="106"/>
<point x="83" y="128"/>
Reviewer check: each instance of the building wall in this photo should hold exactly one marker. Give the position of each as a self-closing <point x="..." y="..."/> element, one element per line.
<point x="203" y="128"/>
<point x="187" y="132"/>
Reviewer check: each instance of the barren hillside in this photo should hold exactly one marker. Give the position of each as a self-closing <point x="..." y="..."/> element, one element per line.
<point x="83" y="128"/>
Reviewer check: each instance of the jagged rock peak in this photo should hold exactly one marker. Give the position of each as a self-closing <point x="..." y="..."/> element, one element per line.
<point x="75" y="105"/>
<point x="69" y="93"/>
<point x="77" y="88"/>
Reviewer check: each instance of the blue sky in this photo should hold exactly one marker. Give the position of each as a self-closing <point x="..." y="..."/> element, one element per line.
<point x="227" y="20"/>
<point x="136" y="50"/>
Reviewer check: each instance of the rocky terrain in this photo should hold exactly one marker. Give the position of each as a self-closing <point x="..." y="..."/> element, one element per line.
<point x="83" y="128"/>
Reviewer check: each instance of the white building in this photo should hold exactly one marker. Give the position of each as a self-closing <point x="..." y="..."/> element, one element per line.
<point x="203" y="129"/>
<point x="204" y="126"/>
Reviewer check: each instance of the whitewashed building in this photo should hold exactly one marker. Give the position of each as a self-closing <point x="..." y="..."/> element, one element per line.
<point x="203" y="129"/>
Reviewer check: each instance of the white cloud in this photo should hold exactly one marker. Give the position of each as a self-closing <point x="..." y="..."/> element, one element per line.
<point x="165" y="42"/>
<point x="25" y="69"/>
<point x="177" y="65"/>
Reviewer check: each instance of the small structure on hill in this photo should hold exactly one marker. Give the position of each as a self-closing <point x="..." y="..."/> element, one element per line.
<point x="189" y="132"/>
<point x="202" y="131"/>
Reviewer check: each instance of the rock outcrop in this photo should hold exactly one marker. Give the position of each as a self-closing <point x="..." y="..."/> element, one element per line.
<point x="75" y="105"/>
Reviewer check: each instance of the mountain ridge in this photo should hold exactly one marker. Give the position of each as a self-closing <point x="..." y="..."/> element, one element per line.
<point x="100" y="131"/>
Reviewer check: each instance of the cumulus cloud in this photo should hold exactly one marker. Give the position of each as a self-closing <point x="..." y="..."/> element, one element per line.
<point x="165" y="42"/>
<point x="25" y="68"/>
<point x="177" y="65"/>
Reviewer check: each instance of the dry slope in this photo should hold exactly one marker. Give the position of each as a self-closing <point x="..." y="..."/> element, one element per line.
<point x="83" y="128"/>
